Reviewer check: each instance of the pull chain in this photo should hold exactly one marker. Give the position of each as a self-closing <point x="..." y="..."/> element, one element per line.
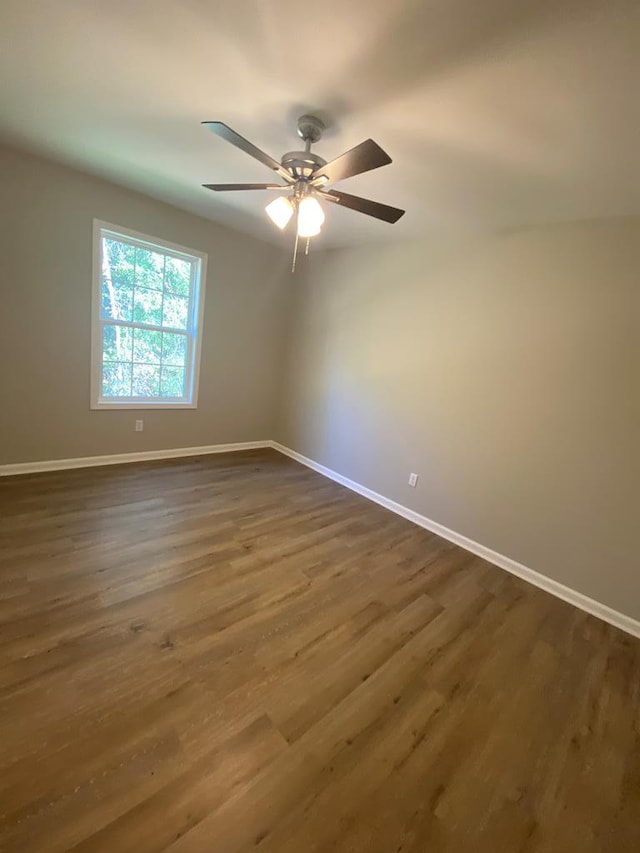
<point x="295" y="252"/>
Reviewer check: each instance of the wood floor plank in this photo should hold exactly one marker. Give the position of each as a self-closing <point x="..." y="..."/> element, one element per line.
<point x="232" y="653"/>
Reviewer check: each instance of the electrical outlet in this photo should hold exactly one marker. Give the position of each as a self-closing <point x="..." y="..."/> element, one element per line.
<point x="139" y="426"/>
<point x="413" y="479"/>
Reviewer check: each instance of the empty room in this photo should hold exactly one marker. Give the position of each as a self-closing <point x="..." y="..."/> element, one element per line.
<point x="320" y="406"/>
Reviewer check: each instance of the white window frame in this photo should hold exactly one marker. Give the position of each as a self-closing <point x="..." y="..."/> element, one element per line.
<point x="194" y="322"/>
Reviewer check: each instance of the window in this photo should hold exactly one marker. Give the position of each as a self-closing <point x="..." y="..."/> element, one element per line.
<point x="148" y="298"/>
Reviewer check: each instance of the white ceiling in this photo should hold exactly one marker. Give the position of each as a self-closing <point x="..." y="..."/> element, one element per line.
<point x="497" y="113"/>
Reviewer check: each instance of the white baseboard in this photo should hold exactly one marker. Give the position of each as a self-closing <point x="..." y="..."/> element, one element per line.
<point x="121" y="458"/>
<point x="595" y="608"/>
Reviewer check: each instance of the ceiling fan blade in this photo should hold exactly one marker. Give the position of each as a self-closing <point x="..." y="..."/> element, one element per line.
<point x="225" y="132"/>
<point x="364" y="157"/>
<point x="363" y="205"/>
<point x="223" y="188"/>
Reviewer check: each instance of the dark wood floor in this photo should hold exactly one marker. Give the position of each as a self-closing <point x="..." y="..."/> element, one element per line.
<point x="233" y="653"/>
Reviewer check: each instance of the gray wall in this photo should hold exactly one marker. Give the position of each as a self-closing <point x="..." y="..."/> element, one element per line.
<point x="505" y="372"/>
<point x="46" y="215"/>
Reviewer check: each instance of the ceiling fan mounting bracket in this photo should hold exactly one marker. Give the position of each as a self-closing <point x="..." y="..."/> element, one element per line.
<point x="310" y="128"/>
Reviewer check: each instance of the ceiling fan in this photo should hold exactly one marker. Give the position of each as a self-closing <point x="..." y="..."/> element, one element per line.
<point x="306" y="177"/>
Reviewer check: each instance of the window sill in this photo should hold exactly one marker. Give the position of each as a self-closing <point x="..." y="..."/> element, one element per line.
<point x="138" y="406"/>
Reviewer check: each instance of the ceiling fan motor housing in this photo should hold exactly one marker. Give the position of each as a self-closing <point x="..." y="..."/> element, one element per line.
<point x="302" y="163"/>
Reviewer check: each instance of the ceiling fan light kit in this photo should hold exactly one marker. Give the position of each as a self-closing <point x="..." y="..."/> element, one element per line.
<point x="306" y="177"/>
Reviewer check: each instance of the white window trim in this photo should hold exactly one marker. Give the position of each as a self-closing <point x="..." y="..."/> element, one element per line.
<point x="96" y="325"/>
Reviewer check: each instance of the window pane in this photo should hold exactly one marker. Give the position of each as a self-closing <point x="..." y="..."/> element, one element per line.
<point x="146" y="380"/>
<point x="149" y="269"/>
<point x="116" y="380"/>
<point x="175" y="311"/>
<point x="117" y="343"/>
<point x="118" y="262"/>
<point x="147" y="346"/>
<point x="147" y="307"/>
<point x="116" y="302"/>
<point x="177" y="276"/>
<point x="174" y="349"/>
<point x="172" y="382"/>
